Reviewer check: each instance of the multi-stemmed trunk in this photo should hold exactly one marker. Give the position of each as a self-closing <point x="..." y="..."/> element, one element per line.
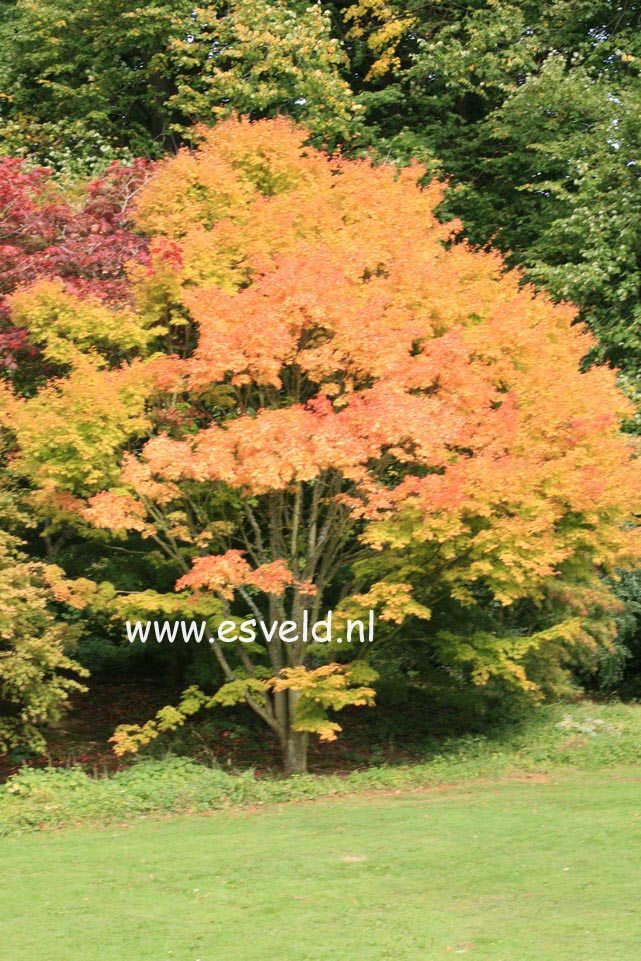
<point x="279" y="708"/>
<point x="308" y="530"/>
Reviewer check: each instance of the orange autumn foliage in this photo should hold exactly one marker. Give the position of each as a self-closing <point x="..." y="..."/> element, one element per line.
<point x="352" y="338"/>
<point x="360" y="389"/>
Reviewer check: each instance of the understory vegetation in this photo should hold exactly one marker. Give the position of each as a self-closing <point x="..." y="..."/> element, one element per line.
<point x="582" y="737"/>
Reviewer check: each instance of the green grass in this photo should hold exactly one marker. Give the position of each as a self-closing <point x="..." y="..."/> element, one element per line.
<point x="529" y="870"/>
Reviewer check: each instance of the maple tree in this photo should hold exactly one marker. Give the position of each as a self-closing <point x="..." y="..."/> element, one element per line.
<point x="354" y="414"/>
<point x="81" y="240"/>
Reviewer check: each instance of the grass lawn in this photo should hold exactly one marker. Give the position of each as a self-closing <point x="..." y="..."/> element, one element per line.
<point x="539" y="869"/>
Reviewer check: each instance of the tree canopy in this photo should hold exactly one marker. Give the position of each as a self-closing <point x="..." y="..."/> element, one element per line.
<point x="529" y="109"/>
<point x="312" y="399"/>
<point x="123" y="78"/>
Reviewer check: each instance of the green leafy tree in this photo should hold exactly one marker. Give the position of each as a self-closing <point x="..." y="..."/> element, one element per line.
<point x="37" y="675"/>
<point x="85" y="83"/>
<point x="531" y="112"/>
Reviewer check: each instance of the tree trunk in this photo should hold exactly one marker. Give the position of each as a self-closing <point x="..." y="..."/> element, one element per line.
<point x="294" y="746"/>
